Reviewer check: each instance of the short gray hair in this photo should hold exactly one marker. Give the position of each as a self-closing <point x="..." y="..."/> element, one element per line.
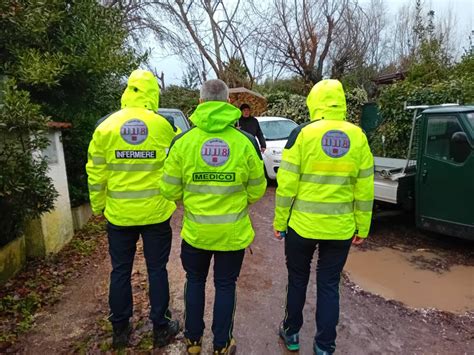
<point x="214" y="90"/>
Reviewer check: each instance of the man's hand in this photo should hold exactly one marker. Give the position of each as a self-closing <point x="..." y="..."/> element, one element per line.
<point x="277" y="234"/>
<point x="357" y="240"/>
<point x="263" y="150"/>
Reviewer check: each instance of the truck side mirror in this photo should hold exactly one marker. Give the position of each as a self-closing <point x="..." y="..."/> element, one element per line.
<point x="459" y="147"/>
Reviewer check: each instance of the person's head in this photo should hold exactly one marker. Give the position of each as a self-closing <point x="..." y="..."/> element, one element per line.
<point x="245" y="108"/>
<point x="327" y="100"/>
<point x="142" y="91"/>
<point x="214" y="90"/>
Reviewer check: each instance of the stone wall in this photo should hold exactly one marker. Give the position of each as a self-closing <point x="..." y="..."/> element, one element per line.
<point x="12" y="258"/>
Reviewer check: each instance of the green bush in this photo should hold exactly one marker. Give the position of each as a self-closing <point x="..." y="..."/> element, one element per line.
<point x="396" y="126"/>
<point x="72" y="56"/>
<point x="287" y="105"/>
<point x="433" y="79"/>
<point x="181" y="98"/>
<point x="293" y="106"/>
<point x="25" y="190"/>
<point x="355" y="98"/>
<point x="293" y="85"/>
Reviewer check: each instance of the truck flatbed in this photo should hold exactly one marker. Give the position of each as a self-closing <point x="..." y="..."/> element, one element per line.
<point x="390" y="180"/>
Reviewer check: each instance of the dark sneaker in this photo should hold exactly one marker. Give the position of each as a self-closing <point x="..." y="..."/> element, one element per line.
<point x="292" y="342"/>
<point x="318" y="351"/>
<point x="193" y="347"/>
<point x="229" y="349"/>
<point x="162" y="336"/>
<point x="121" y="336"/>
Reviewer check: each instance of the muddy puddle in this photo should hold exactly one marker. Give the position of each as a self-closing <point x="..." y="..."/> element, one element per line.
<point x="407" y="277"/>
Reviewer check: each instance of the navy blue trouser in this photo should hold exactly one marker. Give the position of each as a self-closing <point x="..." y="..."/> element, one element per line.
<point x="331" y="259"/>
<point x="227" y="266"/>
<point x="156" y="248"/>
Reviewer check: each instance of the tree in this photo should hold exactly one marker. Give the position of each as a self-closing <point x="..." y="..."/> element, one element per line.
<point x="191" y="78"/>
<point x="358" y="47"/>
<point x="433" y="80"/>
<point x="411" y="30"/>
<point x="292" y="85"/>
<point x="235" y="74"/>
<point x="300" y="35"/>
<point x="72" y="57"/>
<point x="431" y="59"/>
<point x="25" y="189"/>
<point x="205" y="34"/>
<point x="182" y="98"/>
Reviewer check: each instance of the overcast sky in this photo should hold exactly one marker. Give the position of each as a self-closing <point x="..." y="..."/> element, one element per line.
<point x="463" y="10"/>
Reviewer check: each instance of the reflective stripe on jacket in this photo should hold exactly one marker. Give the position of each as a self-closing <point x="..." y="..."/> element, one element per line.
<point x="325" y="181"/>
<point x="217" y="171"/>
<point x="126" y="156"/>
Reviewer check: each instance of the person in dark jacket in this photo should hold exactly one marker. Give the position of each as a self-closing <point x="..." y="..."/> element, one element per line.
<point x="250" y="125"/>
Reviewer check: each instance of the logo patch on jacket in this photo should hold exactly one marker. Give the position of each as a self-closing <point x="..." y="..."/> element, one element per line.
<point x="215" y="152"/>
<point x="134" y="131"/>
<point x="335" y="143"/>
<point x="135" y="154"/>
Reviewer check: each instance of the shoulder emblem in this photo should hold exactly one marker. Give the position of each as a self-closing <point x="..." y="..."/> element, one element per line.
<point x="134" y="131"/>
<point x="215" y="152"/>
<point x="335" y="143"/>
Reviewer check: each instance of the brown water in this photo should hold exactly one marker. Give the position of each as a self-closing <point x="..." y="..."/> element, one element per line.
<point x="393" y="274"/>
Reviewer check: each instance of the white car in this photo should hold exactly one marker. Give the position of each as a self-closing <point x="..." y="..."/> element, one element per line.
<point x="276" y="131"/>
<point x="175" y="116"/>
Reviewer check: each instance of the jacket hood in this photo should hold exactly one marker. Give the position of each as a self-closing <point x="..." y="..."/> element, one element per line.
<point x="327" y="100"/>
<point x="214" y="116"/>
<point x="142" y="91"/>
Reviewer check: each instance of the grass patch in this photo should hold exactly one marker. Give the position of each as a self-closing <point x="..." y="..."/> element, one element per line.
<point x="146" y="342"/>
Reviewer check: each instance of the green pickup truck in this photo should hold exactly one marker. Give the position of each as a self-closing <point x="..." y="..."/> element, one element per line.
<point x="436" y="180"/>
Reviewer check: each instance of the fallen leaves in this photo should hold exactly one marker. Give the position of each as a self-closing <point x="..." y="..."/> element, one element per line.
<point x="41" y="282"/>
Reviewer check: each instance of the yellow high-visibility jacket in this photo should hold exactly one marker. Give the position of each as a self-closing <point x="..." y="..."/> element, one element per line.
<point x="126" y="156"/>
<point x="217" y="171"/>
<point x="325" y="181"/>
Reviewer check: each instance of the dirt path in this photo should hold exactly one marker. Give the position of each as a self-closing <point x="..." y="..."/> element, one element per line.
<point x="68" y="320"/>
<point x="368" y="325"/>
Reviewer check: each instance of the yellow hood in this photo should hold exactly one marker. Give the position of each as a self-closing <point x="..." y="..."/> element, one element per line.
<point x="142" y="91"/>
<point x="327" y="100"/>
<point x="214" y="116"/>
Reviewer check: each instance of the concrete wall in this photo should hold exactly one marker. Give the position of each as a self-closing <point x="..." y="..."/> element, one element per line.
<point x="81" y="215"/>
<point x="51" y="232"/>
<point x="12" y="258"/>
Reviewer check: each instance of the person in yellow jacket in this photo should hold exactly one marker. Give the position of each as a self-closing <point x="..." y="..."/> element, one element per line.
<point x="323" y="201"/>
<point x="217" y="171"/>
<point x="125" y="164"/>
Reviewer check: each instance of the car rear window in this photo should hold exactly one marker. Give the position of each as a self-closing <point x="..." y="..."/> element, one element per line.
<point x="178" y="118"/>
<point x="278" y="129"/>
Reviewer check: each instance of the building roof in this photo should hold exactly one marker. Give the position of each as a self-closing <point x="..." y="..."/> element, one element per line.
<point x="390" y="78"/>
<point x="59" y="125"/>
<point x="246" y="91"/>
<point x="256" y="101"/>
